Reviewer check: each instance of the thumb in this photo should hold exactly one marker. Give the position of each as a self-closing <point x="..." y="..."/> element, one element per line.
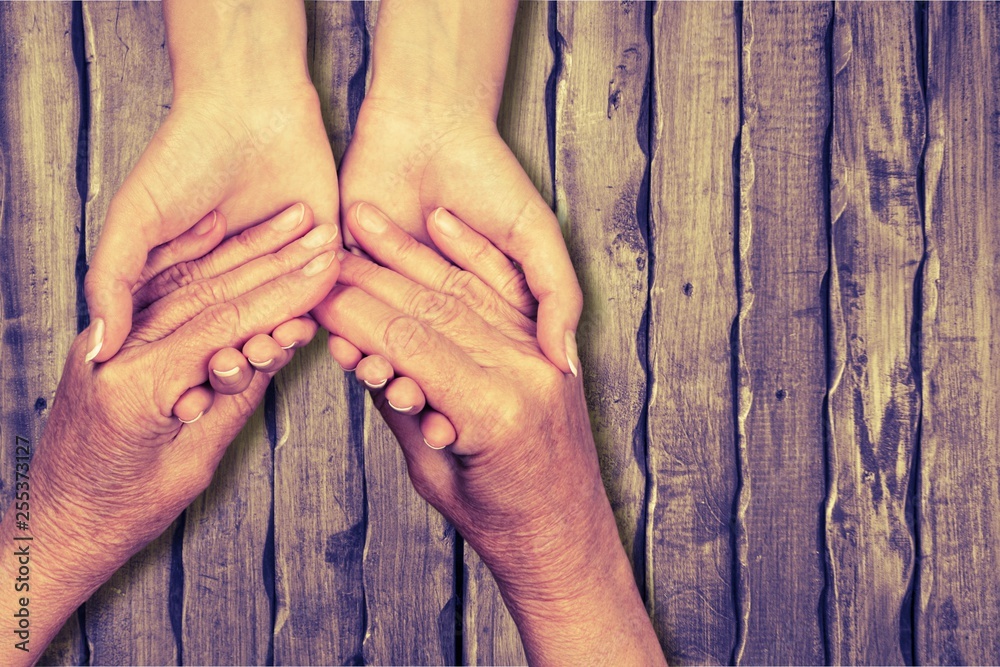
<point x="526" y="229"/>
<point x="136" y="223"/>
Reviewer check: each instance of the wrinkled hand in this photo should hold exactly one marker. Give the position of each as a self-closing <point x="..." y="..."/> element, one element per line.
<point x="409" y="164"/>
<point x="117" y="464"/>
<point x="521" y="481"/>
<point x="244" y="157"/>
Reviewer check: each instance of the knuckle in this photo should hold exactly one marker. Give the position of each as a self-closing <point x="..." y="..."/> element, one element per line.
<point x="462" y="286"/>
<point x="224" y="319"/>
<point x="437" y="308"/>
<point x="203" y="293"/>
<point x="405" y="337"/>
<point x="515" y="288"/>
<point x="180" y="275"/>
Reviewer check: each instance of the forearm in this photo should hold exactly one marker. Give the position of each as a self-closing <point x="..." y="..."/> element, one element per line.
<point x="582" y="606"/>
<point x="225" y="45"/>
<point x="442" y="54"/>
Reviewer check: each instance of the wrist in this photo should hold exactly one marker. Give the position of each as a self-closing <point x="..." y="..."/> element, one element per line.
<point x="245" y="48"/>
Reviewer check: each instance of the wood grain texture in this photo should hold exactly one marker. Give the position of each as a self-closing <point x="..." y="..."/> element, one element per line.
<point x="128" y="619"/>
<point x="874" y="404"/>
<point x="409" y="560"/>
<point x="39" y="234"/>
<point x="601" y="126"/>
<point x="692" y="449"/>
<point x="958" y="607"/>
<point x="490" y="635"/>
<point x="319" y="499"/>
<point x="782" y="383"/>
<point x="226" y="613"/>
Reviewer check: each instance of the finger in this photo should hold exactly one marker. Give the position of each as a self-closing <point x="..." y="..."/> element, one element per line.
<point x="344" y="353"/>
<point x="438" y="432"/>
<point x="231" y="324"/>
<point x="231" y="372"/>
<point x="443" y="312"/>
<point x="192" y="244"/>
<point x="265" y="355"/>
<point x="524" y="228"/>
<point x="413" y="349"/>
<point x="374" y="371"/>
<point x="393" y="248"/>
<point x="404" y="396"/>
<point x="295" y="333"/>
<point x="258" y="241"/>
<point x="474" y="253"/>
<point x="431" y="473"/>
<point x="173" y="310"/>
<point x="193" y="404"/>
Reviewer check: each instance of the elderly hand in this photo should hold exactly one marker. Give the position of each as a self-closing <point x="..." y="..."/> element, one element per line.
<point x="132" y="441"/>
<point x="521" y="481"/>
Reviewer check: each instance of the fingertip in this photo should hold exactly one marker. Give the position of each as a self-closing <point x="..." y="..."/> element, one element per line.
<point x="231" y="373"/>
<point x="193" y="404"/>
<point x="437" y="430"/>
<point x="557" y="336"/>
<point x="344" y="353"/>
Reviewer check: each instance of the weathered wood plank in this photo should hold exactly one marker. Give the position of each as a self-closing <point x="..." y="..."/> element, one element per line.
<point x="409" y="561"/>
<point x="319" y="501"/>
<point x="490" y="636"/>
<point x="602" y="120"/>
<point x="782" y="374"/>
<point x="959" y="527"/>
<point x="692" y="449"/>
<point x="877" y="244"/>
<point x="128" y="619"/>
<point x="226" y="615"/>
<point x="39" y="233"/>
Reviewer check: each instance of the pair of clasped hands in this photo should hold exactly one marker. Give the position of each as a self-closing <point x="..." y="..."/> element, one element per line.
<point x="234" y="236"/>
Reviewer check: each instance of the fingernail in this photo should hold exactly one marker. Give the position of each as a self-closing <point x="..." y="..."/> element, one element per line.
<point x="447" y="224"/>
<point x="227" y="374"/>
<point x="398" y="409"/>
<point x="206" y="225"/>
<point x="319" y="264"/>
<point x="261" y="364"/>
<point x="375" y="386"/>
<point x="95" y="340"/>
<point x="191" y="421"/>
<point x="340" y="254"/>
<point x="571" y="353"/>
<point x="432" y="446"/>
<point x="320" y="236"/>
<point x="370" y="219"/>
<point x="290" y="346"/>
<point x="290" y="218"/>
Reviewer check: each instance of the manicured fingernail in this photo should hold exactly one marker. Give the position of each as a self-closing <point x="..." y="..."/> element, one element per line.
<point x="95" y="340"/>
<point x="191" y="421"/>
<point x="289" y="219"/>
<point x="447" y="224"/>
<point x="572" y="358"/>
<point x="398" y="409"/>
<point x="375" y="386"/>
<point x="320" y="236"/>
<point x="227" y="374"/>
<point x="370" y="219"/>
<point x="261" y="364"/>
<point x="319" y="264"/>
<point x="206" y="225"/>
<point x="432" y="446"/>
<point x="290" y="346"/>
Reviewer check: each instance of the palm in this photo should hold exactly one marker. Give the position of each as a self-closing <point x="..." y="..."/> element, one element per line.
<point x="247" y="166"/>
<point x="409" y="168"/>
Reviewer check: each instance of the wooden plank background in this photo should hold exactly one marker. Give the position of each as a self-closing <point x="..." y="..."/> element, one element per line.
<point x="785" y="221"/>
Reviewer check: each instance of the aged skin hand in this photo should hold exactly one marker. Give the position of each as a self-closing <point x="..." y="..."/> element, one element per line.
<point x="426" y="137"/>
<point x="244" y="136"/>
<point x="521" y="481"/>
<point x="131" y="442"/>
